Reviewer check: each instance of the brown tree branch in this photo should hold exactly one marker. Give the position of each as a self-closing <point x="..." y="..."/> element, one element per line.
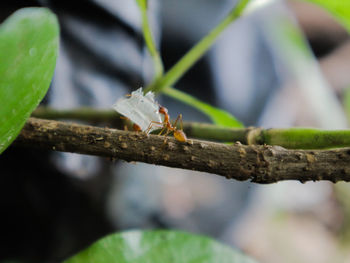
<point x="258" y="163"/>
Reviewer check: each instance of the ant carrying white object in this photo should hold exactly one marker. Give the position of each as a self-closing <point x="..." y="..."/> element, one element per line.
<point x="148" y="115"/>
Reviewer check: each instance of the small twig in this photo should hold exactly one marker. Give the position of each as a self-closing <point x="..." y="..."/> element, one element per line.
<point x="82" y="114"/>
<point x="196" y="52"/>
<point x="260" y="164"/>
<point x="149" y="40"/>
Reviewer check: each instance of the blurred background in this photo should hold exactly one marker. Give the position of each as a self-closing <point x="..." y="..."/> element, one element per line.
<point x="55" y="204"/>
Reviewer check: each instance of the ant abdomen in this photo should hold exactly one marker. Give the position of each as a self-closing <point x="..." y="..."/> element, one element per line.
<point x="180" y="136"/>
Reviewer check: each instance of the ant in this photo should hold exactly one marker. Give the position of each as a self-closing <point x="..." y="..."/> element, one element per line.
<point x="148" y="101"/>
<point x="166" y="125"/>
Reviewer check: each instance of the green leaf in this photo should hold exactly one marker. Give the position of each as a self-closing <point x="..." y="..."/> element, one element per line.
<point x="158" y="246"/>
<point x="218" y="116"/>
<point x="340" y="9"/>
<point x="28" y="51"/>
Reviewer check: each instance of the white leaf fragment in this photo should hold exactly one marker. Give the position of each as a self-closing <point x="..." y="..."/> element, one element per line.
<point x="140" y="109"/>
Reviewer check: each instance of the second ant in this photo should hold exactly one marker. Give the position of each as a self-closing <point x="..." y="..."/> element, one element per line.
<point x="166" y="126"/>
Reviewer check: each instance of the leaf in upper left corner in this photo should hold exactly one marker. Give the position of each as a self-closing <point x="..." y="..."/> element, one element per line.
<point x="28" y="51"/>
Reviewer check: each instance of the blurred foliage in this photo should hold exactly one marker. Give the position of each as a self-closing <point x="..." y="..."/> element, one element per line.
<point x="147" y="35"/>
<point x="340" y="9"/>
<point x="342" y="191"/>
<point x="164" y="82"/>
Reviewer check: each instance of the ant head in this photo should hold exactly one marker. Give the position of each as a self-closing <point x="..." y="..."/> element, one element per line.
<point x="163" y="110"/>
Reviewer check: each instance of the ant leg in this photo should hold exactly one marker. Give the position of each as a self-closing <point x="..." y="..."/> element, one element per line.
<point x="179" y="133"/>
<point x="162" y="130"/>
<point x="167" y="132"/>
<point x="179" y="118"/>
<point x="149" y="128"/>
<point x="152" y="124"/>
<point x="181" y="123"/>
<point x="124" y="122"/>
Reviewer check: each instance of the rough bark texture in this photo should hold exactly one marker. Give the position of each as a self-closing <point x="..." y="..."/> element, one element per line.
<point x="258" y="163"/>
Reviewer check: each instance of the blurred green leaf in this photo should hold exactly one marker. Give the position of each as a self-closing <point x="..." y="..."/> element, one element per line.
<point x="302" y="71"/>
<point x="218" y="116"/>
<point x="340" y="9"/>
<point x="142" y="4"/>
<point x="158" y="246"/>
<point x="28" y="51"/>
<point x="291" y="33"/>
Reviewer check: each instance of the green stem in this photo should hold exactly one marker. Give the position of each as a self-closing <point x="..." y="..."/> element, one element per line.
<point x="81" y="114"/>
<point x="196" y="52"/>
<point x="147" y="34"/>
<point x="292" y="138"/>
<point x="303" y="138"/>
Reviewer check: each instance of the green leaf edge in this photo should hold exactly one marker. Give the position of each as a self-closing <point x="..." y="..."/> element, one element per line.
<point x="86" y="253"/>
<point x="14" y="18"/>
<point x="218" y="116"/>
<point x="339" y="9"/>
